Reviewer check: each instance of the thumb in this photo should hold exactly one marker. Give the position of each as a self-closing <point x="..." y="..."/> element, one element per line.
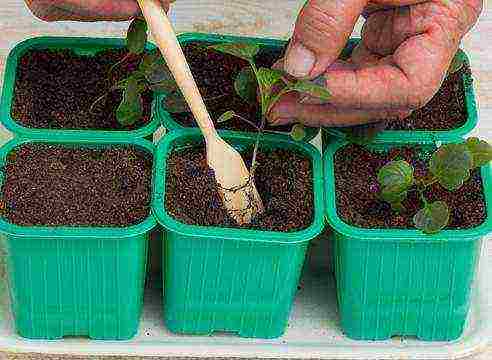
<point x="321" y="32"/>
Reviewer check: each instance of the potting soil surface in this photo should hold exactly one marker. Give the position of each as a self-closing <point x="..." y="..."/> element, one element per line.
<point x="215" y="73"/>
<point x="357" y="188"/>
<point x="58" y="89"/>
<point x="283" y="179"/>
<point x="57" y="185"/>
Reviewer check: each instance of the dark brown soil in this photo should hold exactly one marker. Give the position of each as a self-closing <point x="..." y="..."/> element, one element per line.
<point x="215" y="73"/>
<point x="57" y="185"/>
<point x="445" y="111"/>
<point x="55" y="89"/>
<point x="283" y="179"/>
<point x="357" y="188"/>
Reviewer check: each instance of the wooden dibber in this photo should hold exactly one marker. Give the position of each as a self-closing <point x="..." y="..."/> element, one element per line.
<point x="237" y="189"/>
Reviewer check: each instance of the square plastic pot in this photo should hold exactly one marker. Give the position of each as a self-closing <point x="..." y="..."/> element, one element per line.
<point x="226" y="279"/>
<point x="76" y="281"/>
<point x="167" y="119"/>
<point x="81" y="46"/>
<point x="403" y="282"/>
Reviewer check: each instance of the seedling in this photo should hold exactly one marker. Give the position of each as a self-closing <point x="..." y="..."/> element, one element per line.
<point x="265" y="85"/>
<point x="450" y="166"/>
<point x="151" y="74"/>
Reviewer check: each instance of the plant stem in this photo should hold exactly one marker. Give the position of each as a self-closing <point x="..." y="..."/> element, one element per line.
<point x="125" y="58"/>
<point x="247" y="121"/>
<point x="91" y="109"/>
<point x="257" y="144"/>
<point x="422" y="197"/>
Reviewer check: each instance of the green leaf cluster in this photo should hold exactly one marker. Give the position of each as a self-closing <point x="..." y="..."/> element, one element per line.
<point x="450" y="166"/>
<point x="267" y="85"/>
<point x="152" y="74"/>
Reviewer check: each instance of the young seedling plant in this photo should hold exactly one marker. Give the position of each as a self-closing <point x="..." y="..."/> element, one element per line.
<point x="265" y="86"/>
<point x="152" y="74"/>
<point x="449" y="166"/>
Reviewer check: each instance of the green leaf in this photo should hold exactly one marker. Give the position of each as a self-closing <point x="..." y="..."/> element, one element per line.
<point x="480" y="150"/>
<point x="136" y="37"/>
<point x="451" y="165"/>
<point x="157" y="73"/>
<point x="149" y="60"/>
<point x="432" y="218"/>
<point x="298" y="132"/>
<point x="457" y="62"/>
<point x="395" y="178"/>
<point x="228" y="115"/>
<point x="268" y="77"/>
<point x="175" y="103"/>
<point x="131" y="107"/>
<point x="312" y="89"/>
<point x="246" y="86"/>
<point x="365" y="133"/>
<point x="163" y="87"/>
<point x="246" y="51"/>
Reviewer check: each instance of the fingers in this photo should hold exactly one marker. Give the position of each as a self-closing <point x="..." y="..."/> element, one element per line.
<point x="90" y="10"/>
<point x="320" y="33"/>
<point x="289" y="110"/>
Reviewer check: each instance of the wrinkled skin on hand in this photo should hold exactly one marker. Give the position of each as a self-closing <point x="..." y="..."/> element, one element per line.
<point x="86" y="10"/>
<point x="406" y="49"/>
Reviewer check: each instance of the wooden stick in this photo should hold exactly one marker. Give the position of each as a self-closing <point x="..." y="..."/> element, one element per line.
<point x="167" y="42"/>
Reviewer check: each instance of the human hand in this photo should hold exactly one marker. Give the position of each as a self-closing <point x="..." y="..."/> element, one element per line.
<point x="406" y="49"/>
<point x="86" y="10"/>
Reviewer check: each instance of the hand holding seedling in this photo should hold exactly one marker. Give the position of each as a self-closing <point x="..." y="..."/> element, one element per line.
<point x="406" y="48"/>
<point x="86" y="10"/>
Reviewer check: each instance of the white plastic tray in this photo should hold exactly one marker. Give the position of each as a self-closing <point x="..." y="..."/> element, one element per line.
<point x="313" y="331"/>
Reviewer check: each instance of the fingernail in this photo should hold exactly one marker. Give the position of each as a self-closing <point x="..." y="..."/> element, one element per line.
<point x="299" y="60"/>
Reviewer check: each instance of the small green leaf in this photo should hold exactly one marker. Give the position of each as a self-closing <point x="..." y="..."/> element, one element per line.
<point x="228" y="115"/>
<point x="395" y="178"/>
<point x="246" y="51"/>
<point x="480" y="150"/>
<point x="175" y="103"/>
<point x="365" y="133"/>
<point x="457" y="62"/>
<point x="157" y="73"/>
<point x="268" y="77"/>
<point x="163" y="87"/>
<point x="312" y="89"/>
<point x="246" y="86"/>
<point x="136" y="37"/>
<point x="149" y="60"/>
<point x="298" y="132"/>
<point x="395" y="199"/>
<point x="451" y="165"/>
<point x="432" y="218"/>
<point x="131" y="107"/>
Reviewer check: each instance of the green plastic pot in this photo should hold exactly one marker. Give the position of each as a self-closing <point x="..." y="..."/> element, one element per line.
<point x="82" y="46"/>
<point x="444" y="135"/>
<point x="226" y="279"/>
<point x="76" y="281"/>
<point x="167" y="119"/>
<point x="403" y="282"/>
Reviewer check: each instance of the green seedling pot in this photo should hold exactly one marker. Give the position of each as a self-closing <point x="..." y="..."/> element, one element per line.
<point x="226" y="279"/>
<point x="431" y="135"/>
<point x="76" y="281"/>
<point x="81" y="46"/>
<point x="167" y="119"/>
<point x="403" y="282"/>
